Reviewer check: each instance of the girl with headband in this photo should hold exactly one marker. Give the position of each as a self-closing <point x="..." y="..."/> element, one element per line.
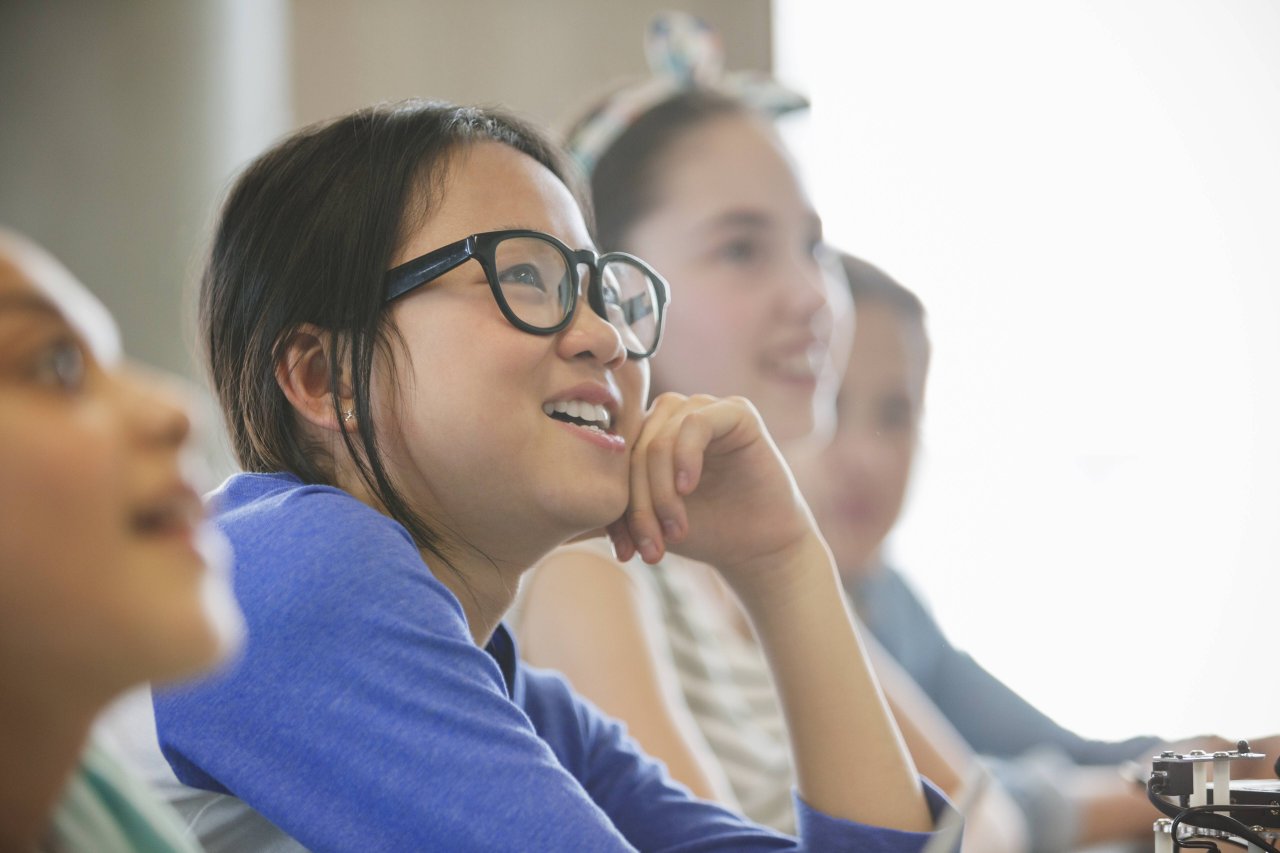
<point x="102" y="582"/>
<point x="687" y="170"/>
<point x="432" y="378"/>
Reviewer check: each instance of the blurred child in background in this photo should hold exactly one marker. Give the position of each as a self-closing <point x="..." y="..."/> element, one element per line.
<point x="106" y="578"/>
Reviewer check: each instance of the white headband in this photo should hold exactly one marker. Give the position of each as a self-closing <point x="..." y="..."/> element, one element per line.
<point x="684" y="54"/>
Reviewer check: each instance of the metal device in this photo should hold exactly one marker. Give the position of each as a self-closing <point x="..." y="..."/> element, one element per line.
<point x="1202" y="812"/>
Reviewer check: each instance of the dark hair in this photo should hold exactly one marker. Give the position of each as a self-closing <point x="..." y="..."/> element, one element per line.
<point x="624" y="180"/>
<point x="869" y="283"/>
<point x="306" y="235"/>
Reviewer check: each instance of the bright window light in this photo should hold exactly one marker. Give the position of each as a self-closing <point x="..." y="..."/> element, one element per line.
<point x="1086" y="195"/>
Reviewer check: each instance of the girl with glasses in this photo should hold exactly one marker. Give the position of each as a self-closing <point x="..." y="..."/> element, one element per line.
<point x="432" y="379"/>
<point x="105" y="579"/>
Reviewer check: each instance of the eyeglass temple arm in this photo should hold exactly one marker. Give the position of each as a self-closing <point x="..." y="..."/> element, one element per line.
<point x="406" y="277"/>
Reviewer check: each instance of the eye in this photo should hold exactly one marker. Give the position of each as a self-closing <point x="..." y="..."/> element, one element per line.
<point x="896" y="414"/>
<point x="611" y="291"/>
<point x="615" y="310"/>
<point x="62" y="365"/>
<point x="742" y="251"/>
<point x="523" y="274"/>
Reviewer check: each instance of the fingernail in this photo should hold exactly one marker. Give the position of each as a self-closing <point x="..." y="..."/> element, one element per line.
<point x="647" y="549"/>
<point x="670" y="529"/>
<point x="682" y="481"/>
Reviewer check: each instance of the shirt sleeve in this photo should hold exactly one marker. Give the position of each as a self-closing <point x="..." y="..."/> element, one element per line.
<point x="655" y="813"/>
<point x="994" y="719"/>
<point x="361" y="716"/>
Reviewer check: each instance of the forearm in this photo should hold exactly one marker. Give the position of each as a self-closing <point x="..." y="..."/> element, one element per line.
<point x="1110" y="807"/>
<point x="850" y="758"/>
<point x="994" y="824"/>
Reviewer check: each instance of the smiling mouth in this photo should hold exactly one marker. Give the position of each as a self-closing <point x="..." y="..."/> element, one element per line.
<point x="176" y="513"/>
<point x="163" y="522"/>
<point x="580" y="413"/>
<point x="806" y="364"/>
<point x="856" y="510"/>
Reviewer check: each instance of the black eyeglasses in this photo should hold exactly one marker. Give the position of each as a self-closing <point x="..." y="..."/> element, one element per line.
<point x="534" y="279"/>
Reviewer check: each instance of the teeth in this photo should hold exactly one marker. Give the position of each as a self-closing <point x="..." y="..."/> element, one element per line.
<point x="799" y="365"/>
<point x="597" y="415"/>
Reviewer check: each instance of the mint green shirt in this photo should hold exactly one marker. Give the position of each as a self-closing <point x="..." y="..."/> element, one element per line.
<point x="105" y="810"/>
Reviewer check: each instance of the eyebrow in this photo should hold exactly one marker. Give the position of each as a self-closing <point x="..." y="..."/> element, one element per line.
<point x="747" y="218"/>
<point x="590" y="244"/>
<point x="740" y="218"/>
<point x="97" y="331"/>
<point x="29" y="302"/>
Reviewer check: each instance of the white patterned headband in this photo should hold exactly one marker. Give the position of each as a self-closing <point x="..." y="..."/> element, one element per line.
<point x="684" y="54"/>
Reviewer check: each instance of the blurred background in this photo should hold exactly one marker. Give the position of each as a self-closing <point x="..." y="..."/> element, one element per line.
<point x="1086" y="196"/>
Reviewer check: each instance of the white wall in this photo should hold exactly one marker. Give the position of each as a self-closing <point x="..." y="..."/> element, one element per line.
<point x="1087" y="197"/>
<point x="120" y="124"/>
<point x="547" y="59"/>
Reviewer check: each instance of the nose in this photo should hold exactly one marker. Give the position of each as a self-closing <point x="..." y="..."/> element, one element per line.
<point x="155" y="408"/>
<point x="858" y="449"/>
<point x="591" y="336"/>
<point x="811" y="287"/>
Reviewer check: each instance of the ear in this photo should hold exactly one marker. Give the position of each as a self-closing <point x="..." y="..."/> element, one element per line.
<point x="304" y="375"/>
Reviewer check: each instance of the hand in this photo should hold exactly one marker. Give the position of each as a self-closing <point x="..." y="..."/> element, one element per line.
<point x="708" y="469"/>
<point x="1256" y="769"/>
<point x="708" y="482"/>
<point x="1268" y="746"/>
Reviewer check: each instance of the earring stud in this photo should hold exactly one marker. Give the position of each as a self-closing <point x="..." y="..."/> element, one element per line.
<point x="348" y="415"/>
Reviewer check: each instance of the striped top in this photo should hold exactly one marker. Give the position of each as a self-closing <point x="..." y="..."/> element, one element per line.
<point x="104" y="809"/>
<point x="723" y="677"/>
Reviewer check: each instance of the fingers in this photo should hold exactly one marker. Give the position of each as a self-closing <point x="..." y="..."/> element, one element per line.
<point x="675" y="460"/>
<point x="667" y="465"/>
<point x="698" y="430"/>
<point x="660" y="470"/>
<point x="642" y="523"/>
<point x="623" y="546"/>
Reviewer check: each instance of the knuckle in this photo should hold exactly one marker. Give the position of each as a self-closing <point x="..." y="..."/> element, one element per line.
<point x="668" y="399"/>
<point x="699" y="419"/>
<point x="746" y="405"/>
<point x="661" y="446"/>
<point x="642" y="516"/>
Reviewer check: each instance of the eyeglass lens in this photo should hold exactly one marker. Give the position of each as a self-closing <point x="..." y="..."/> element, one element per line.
<point x="536" y="284"/>
<point x="631" y="301"/>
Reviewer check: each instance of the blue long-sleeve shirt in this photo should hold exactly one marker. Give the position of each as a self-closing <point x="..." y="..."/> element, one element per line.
<point x="362" y="716"/>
